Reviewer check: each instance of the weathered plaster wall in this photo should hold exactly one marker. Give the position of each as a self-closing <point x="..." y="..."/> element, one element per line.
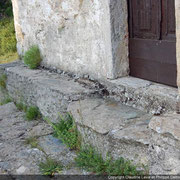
<point x="74" y="35"/>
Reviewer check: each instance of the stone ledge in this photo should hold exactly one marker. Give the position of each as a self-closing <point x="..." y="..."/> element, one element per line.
<point x="142" y="94"/>
<point x="113" y="127"/>
<point x="51" y="92"/>
<point x="122" y="131"/>
<point x="168" y="124"/>
<point x="105" y="116"/>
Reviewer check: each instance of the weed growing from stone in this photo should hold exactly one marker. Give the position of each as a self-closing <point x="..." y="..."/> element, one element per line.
<point x="50" y="167"/>
<point x="32" y="141"/>
<point x="6" y="101"/>
<point x="90" y="160"/>
<point x="21" y="106"/>
<point x="121" y="167"/>
<point x="32" y="113"/>
<point x="3" y="79"/>
<point x="66" y="130"/>
<point x="32" y="57"/>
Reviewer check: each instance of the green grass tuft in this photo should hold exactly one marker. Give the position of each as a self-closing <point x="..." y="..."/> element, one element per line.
<point x="21" y="106"/>
<point x="32" y="113"/>
<point x="3" y="79"/>
<point x="90" y="160"/>
<point x="6" y="100"/>
<point x="66" y="130"/>
<point x="121" y="167"/>
<point x="50" y="167"/>
<point x="32" y="141"/>
<point x="32" y="57"/>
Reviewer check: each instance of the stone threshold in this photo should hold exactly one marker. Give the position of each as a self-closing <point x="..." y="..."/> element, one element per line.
<point x="142" y="94"/>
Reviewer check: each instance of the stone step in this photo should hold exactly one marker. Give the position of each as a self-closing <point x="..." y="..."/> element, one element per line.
<point x="108" y="124"/>
<point x="142" y="94"/>
<point x="122" y="131"/>
<point x="51" y="92"/>
<point x="113" y="128"/>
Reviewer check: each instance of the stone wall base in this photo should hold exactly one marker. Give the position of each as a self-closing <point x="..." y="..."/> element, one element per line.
<point x="104" y="122"/>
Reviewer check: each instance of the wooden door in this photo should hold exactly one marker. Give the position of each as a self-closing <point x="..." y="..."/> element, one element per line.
<point x="152" y="43"/>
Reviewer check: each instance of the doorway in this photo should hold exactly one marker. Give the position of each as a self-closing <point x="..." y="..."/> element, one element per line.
<point x="152" y="40"/>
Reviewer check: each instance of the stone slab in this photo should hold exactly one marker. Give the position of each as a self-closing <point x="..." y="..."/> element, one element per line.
<point x="164" y="150"/>
<point x="7" y="110"/>
<point x="166" y="124"/>
<point x="142" y="94"/>
<point x="103" y="116"/>
<point x="136" y="133"/>
<point x="55" y="149"/>
<point x="114" y="128"/>
<point x="50" y="92"/>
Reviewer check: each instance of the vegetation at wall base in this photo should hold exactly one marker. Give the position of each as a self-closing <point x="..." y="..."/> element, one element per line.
<point x="50" y="167"/>
<point x="32" y="57"/>
<point x="32" y="141"/>
<point x="6" y="100"/>
<point x="66" y="130"/>
<point x="89" y="159"/>
<point x="21" y="106"/>
<point x="3" y="79"/>
<point x="32" y="113"/>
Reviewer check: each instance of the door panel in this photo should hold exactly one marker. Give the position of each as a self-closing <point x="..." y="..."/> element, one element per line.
<point x="168" y="20"/>
<point x="152" y="43"/>
<point x="146" y="18"/>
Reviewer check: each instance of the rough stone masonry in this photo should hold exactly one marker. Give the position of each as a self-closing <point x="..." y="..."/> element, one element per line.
<point x="105" y="122"/>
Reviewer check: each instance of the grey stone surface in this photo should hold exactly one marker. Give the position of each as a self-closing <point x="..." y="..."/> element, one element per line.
<point x="113" y="128"/>
<point x="167" y="124"/>
<point x="18" y="158"/>
<point x="122" y="131"/>
<point x="7" y="109"/>
<point x="103" y="116"/>
<point x="144" y="95"/>
<point x="165" y="144"/>
<point x="4" y="66"/>
<point x="51" y="92"/>
<point x="15" y="156"/>
<point x="105" y="123"/>
<point x="55" y="149"/>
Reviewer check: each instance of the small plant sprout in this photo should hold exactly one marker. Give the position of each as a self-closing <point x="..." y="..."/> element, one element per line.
<point x="32" y="113"/>
<point x="3" y="79"/>
<point x="66" y="131"/>
<point x="50" y="167"/>
<point x="32" y="57"/>
<point x="89" y="159"/>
